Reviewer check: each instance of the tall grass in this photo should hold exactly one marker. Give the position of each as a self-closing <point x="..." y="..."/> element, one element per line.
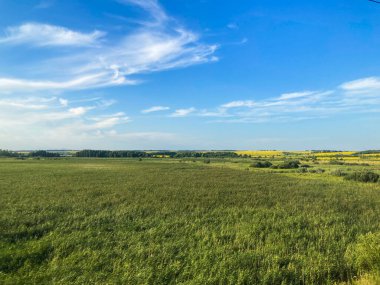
<point x="140" y="222"/>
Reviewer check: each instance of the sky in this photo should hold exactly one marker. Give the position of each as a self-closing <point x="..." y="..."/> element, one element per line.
<point x="189" y="74"/>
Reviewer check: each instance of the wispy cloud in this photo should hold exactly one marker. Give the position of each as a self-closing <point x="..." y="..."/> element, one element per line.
<point x="359" y="96"/>
<point x="44" y="4"/>
<point x="82" y="82"/>
<point x="63" y="102"/>
<point x="108" y="122"/>
<point x="233" y="26"/>
<point x="35" y="123"/>
<point x="27" y="103"/>
<point x="295" y="95"/>
<point x="154" y="45"/>
<point x="155" y="109"/>
<point x="363" y="84"/>
<point x="182" y="112"/>
<point x="152" y="7"/>
<point x="54" y="122"/>
<point x="237" y="104"/>
<point x="44" y="35"/>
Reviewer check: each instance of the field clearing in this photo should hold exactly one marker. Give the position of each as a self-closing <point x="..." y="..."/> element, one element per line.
<point x="162" y="221"/>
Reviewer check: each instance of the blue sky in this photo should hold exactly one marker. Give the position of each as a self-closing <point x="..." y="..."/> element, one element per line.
<point x="200" y="74"/>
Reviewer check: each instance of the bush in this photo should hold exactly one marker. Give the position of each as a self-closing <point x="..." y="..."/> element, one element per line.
<point x="302" y="170"/>
<point x="289" y="164"/>
<point x="364" y="176"/>
<point x="338" y="172"/>
<point x="318" y="170"/>
<point x="261" y="164"/>
<point x="207" y="161"/>
<point x="336" y="162"/>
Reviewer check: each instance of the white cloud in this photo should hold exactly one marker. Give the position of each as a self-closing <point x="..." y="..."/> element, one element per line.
<point x="363" y="84"/>
<point x="295" y="95"/>
<point x="237" y="104"/>
<point x="155" y="109"/>
<point x="86" y="81"/>
<point x="75" y="128"/>
<point x="107" y="122"/>
<point x="151" y="6"/>
<point x="63" y="102"/>
<point x="183" y="112"/>
<point x="38" y="122"/>
<point x="157" y="45"/>
<point x="78" y="111"/>
<point x="44" y="35"/>
<point x="44" y="4"/>
<point x="233" y="26"/>
<point x="53" y="122"/>
<point x="297" y="106"/>
<point x="25" y="103"/>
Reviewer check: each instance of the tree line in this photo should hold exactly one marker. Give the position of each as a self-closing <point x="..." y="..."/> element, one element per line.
<point x="38" y="153"/>
<point x="145" y="154"/>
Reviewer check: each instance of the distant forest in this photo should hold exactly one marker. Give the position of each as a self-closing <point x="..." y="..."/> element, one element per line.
<point x="139" y="154"/>
<point x="142" y="154"/>
<point x="121" y="154"/>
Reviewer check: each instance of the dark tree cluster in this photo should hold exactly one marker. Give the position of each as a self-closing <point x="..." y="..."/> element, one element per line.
<point x="363" y="176"/>
<point x="367" y="152"/>
<point x="143" y="154"/>
<point x="261" y="164"/>
<point x="7" y="153"/>
<point x="288" y="165"/>
<point x="44" y="153"/>
<point x="111" y="154"/>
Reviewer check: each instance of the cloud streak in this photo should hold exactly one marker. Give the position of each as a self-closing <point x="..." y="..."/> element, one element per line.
<point x="152" y="7"/>
<point x="53" y="119"/>
<point x="155" y="109"/>
<point x="44" y="35"/>
<point x="358" y="96"/>
<point x="83" y="82"/>
<point x="183" y="112"/>
<point x="362" y="85"/>
<point x="44" y="122"/>
<point x="96" y="61"/>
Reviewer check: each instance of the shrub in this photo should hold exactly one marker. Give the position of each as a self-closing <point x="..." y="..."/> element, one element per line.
<point x="318" y="170"/>
<point x="261" y="164"/>
<point x="338" y="172"/>
<point x="302" y="170"/>
<point x="363" y="176"/>
<point x="290" y="164"/>
<point x="336" y="162"/>
<point x="207" y="161"/>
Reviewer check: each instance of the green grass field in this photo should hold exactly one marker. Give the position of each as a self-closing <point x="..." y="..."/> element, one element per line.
<point x="124" y="221"/>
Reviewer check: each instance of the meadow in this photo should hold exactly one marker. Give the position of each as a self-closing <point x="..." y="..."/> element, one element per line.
<point x="188" y="221"/>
